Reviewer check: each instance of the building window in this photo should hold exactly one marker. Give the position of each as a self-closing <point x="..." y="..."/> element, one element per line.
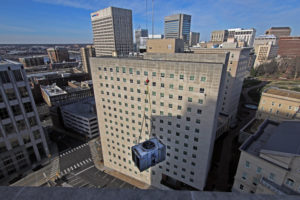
<point x="18" y="75"/>
<point x="201" y="90"/>
<point x="279" y="105"/>
<point x="271" y="176"/>
<point x="273" y="103"/>
<point x="290" y="182"/>
<point x="171" y="75"/>
<point x="181" y="76"/>
<point x="153" y="73"/>
<point x="200" y="101"/>
<point x="192" y="78"/>
<point x="241" y="187"/>
<point x="16" y="110"/>
<point x="145" y="73"/>
<point x="258" y="170"/>
<point x="191" y="89"/>
<point x="190" y="99"/>
<point x="3" y="113"/>
<point x="247" y="164"/>
<point x="171" y="86"/>
<point x="244" y="176"/>
<point x="180" y="87"/>
<point x="4" y="77"/>
<point x="203" y="78"/>
<point x="162" y="75"/>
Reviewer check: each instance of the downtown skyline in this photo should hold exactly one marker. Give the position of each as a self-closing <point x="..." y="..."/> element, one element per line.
<point x="66" y="21"/>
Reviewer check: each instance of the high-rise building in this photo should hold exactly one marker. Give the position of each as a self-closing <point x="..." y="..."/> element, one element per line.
<point x="86" y="53"/>
<point x="244" y="35"/>
<point x="269" y="160"/>
<point x="279" y="31"/>
<point x="22" y="140"/>
<point x="289" y="47"/>
<point x="237" y="70"/>
<point x="194" y="38"/>
<point x="219" y="36"/>
<point x="32" y="61"/>
<point x="178" y="26"/>
<point x="140" y="33"/>
<point x="279" y="105"/>
<point x="112" y="30"/>
<point x="58" y="54"/>
<point x="185" y="99"/>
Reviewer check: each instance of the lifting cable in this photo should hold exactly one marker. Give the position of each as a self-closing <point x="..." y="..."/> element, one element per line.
<point x="144" y="114"/>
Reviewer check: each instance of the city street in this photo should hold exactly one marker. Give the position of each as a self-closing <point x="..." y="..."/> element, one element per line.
<point x="77" y="169"/>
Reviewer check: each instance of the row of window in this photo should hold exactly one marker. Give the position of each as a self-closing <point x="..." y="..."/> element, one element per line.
<point x="162" y="85"/>
<point x="154" y="74"/>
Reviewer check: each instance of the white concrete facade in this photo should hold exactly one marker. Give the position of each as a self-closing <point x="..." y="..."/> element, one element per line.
<point x="185" y="95"/>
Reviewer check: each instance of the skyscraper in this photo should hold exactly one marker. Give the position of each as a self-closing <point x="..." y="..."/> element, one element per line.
<point x="139" y="33"/>
<point x="86" y="53"/>
<point x="22" y="139"/>
<point x="185" y="100"/>
<point x="178" y="26"/>
<point x="112" y="29"/>
<point x="194" y="38"/>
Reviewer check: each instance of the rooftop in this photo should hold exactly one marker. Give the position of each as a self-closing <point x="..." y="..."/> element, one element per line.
<point x="265" y="36"/>
<point x="63" y="193"/>
<point x="283" y="138"/>
<point x="272" y="28"/>
<point x="283" y="93"/>
<point x="85" y="108"/>
<point x="53" y="90"/>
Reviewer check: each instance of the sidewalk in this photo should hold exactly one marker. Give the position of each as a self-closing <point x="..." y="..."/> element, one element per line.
<point x="96" y="151"/>
<point x="50" y="170"/>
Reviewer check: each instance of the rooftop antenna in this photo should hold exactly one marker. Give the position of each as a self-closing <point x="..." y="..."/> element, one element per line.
<point x="146" y="14"/>
<point x="152" y="18"/>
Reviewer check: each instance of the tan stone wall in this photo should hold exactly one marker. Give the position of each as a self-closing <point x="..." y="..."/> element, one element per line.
<point x="189" y="143"/>
<point x="286" y="107"/>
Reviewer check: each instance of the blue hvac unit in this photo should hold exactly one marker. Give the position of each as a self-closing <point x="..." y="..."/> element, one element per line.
<point x="148" y="153"/>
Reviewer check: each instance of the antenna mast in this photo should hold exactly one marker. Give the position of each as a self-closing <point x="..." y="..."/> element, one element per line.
<point x="146" y="14"/>
<point x="152" y="18"/>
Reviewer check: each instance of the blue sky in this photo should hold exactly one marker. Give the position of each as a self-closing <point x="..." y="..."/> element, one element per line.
<point x="68" y="21"/>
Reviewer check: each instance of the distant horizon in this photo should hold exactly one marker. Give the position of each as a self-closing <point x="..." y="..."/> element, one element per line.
<point x="68" y="21"/>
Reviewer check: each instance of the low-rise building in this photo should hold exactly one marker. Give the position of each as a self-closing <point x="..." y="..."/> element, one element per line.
<point x="219" y="36"/>
<point x="53" y="93"/>
<point x="270" y="159"/>
<point x="81" y="117"/>
<point x="58" y="54"/>
<point x="171" y="45"/>
<point x="279" y="104"/>
<point x="279" y="31"/>
<point x="265" y="53"/>
<point x="289" y="47"/>
<point x="32" y="61"/>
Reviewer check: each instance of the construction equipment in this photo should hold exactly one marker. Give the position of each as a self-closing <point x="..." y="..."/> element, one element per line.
<point x="149" y="152"/>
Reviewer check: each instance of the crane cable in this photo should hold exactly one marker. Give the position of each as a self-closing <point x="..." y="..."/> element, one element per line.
<point x="144" y="114"/>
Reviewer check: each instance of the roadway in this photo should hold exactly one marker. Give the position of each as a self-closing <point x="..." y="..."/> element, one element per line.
<point x="77" y="169"/>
